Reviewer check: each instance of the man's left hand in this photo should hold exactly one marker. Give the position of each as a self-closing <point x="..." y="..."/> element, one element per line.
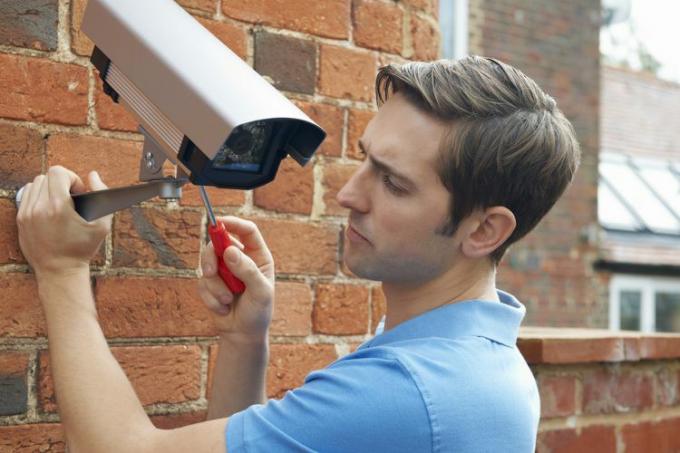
<point x="53" y="237"/>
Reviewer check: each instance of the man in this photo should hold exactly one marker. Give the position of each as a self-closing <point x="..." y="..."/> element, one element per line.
<point x="462" y="159"/>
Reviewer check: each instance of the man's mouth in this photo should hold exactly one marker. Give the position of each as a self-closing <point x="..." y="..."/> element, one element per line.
<point x="352" y="233"/>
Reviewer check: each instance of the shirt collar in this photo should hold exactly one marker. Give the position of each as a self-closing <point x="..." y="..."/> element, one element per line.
<point x="496" y="321"/>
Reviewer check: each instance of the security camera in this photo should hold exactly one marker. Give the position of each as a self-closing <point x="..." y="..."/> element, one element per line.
<point x="198" y="104"/>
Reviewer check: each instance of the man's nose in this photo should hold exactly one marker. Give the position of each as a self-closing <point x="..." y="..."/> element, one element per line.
<point x="352" y="195"/>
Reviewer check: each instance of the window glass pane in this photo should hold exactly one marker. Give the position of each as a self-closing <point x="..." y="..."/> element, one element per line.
<point x="612" y="213"/>
<point x="667" y="307"/>
<point x="665" y="184"/>
<point x="446" y="27"/>
<point x="648" y="207"/>
<point x="629" y="309"/>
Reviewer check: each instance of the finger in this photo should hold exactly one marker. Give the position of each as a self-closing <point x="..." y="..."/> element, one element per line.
<point x="235" y="241"/>
<point x="43" y="198"/>
<point x="209" y="261"/>
<point x="246" y="230"/>
<point x="34" y="196"/>
<point x="251" y="238"/>
<point x="24" y="199"/>
<point x="96" y="183"/>
<point x="212" y="300"/>
<point x="244" y="268"/>
<point x="63" y="182"/>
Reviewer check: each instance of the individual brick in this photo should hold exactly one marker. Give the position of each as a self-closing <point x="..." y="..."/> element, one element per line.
<point x="13" y="379"/>
<point x="38" y="437"/>
<point x="328" y="19"/>
<point x="340" y="309"/>
<point x="291" y="191"/>
<point x="289" y="62"/>
<point x="425" y="39"/>
<point x="331" y="119"/>
<point x="347" y="73"/>
<point x="21" y="314"/>
<point x="597" y="438"/>
<point x="289" y="364"/>
<point x="292" y="310"/>
<point x="558" y="395"/>
<point x="22" y="150"/>
<point x="301" y="248"/>
<point x="30" y="88"/>
<point x="378" y="25"/>
<point x="29" y="23"/>
<point x="80" y="43"/>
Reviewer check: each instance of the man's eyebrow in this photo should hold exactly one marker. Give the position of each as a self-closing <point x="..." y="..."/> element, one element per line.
<point x="382" y="166"/>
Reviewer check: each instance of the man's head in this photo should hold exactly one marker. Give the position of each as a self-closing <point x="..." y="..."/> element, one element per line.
<point x="486" y="152"/>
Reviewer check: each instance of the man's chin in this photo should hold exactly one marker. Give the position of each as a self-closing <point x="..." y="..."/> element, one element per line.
<point x="361" y="268"/>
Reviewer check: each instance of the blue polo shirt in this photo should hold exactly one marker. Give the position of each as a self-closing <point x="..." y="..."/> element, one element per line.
<point x="448" y="380"/>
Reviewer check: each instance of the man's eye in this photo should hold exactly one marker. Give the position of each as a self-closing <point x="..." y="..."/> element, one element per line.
<point x="391" y="186"/>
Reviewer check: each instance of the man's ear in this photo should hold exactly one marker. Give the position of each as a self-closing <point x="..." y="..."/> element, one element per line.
<point x="488" y="230"/>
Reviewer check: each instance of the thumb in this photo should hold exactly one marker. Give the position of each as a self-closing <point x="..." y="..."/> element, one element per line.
<point x="243" y="267"/>
<point x="96" y="182"/>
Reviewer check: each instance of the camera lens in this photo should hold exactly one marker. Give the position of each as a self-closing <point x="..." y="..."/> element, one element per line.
<point x="241" y="142"/>
<point x="245" y="148"/>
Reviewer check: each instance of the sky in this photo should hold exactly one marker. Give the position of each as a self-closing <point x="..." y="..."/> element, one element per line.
<point x="655" y="24"/>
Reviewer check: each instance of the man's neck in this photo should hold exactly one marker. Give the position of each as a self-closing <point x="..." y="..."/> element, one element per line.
<point x="463" y="282"/>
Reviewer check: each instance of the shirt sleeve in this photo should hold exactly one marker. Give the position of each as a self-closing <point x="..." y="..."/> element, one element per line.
<point x="366" y="402"/>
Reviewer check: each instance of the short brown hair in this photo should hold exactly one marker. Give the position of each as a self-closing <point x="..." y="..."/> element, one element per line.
<point x="508" y="144"/>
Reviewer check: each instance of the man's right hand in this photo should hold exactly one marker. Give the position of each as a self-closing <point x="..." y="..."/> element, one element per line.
<point x="247" y="315"/>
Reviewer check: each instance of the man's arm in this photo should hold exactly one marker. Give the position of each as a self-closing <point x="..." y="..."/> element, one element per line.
<point x="99" y="409"/>
<point x="239" y="377"/>
<point x="97" y="404"/>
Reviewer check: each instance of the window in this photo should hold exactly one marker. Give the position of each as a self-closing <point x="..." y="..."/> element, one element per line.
<point x="453" y="24"/>
<point x="647" y="304"/>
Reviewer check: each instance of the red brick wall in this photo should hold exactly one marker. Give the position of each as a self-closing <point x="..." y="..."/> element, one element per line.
<point x="557" y="44"/>
<point x="324" y="56"/>
<point x="604" y="393"/>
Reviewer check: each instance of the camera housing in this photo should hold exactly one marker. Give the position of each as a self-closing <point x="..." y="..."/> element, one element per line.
<point x="196" y="101"/>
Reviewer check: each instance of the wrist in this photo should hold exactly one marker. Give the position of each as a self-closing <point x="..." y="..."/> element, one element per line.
<point x="60" y="275"/>
<point x="261" y="338"/>
<point x="65" y="291"/>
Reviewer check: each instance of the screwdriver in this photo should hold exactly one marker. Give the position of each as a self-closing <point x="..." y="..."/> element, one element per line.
<point x="220" y="239"/>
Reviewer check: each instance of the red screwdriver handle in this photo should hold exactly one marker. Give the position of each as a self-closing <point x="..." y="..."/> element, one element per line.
<point x="220" y="239"/>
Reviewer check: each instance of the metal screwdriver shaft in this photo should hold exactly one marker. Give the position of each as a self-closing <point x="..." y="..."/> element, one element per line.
<point x="208" y="206"/>
<point x="221" y="241"/>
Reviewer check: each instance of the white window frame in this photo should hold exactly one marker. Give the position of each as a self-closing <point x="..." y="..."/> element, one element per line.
<point x="453" y="25"/>
<point x="648" y="287"/>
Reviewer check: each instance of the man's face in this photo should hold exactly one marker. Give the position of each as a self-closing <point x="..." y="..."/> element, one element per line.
<point x="396" y="200"/>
